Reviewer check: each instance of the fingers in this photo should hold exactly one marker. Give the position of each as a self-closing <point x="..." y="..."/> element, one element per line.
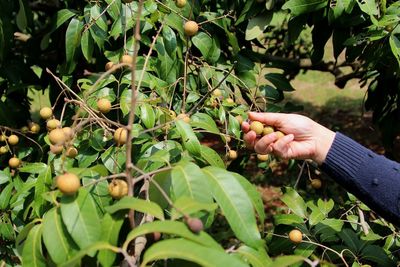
<point x="245" y="126"/>
<point x="282" y="146"/>
<point x="250" y="139"/>
<point x="272" y="119"/>
<point x="263" y="146"/>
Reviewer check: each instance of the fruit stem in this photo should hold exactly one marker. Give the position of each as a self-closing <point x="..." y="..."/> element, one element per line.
<point x="129" y="164"/>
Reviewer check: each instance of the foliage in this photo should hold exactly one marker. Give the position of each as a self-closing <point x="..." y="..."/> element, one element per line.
<point x="61" y="47"/>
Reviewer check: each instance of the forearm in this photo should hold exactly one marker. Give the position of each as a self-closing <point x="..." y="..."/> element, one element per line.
<point x="372" y="178"/>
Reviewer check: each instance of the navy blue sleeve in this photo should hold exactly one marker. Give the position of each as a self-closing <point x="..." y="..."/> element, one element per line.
<point x="372" y="178"/>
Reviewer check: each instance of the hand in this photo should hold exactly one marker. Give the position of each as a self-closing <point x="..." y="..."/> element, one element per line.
<point x="304" y="138"/>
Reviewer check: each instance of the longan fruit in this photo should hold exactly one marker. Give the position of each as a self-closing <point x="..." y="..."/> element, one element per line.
<point x="217" y="93"/>
<point x="71" y="152"/>
<point x="127" y="59"/>
<point x="104" y="105"/>
<point x="230" y="101"/>
<point x="14" y="162"/>
<point x="257" y="127"/>
<point x="262" y="157"/>
<point x="120" y="136"/>
<point x="68" y="183"/>
<point x="232" y="154"/>
<point x="180" y="3"/>
<point x="68" y="132"/>
<point x="109" y="65"/>
<point x="268" y="130"/>
<point x="57" y="137"/>
<point x="191" y="28"/>
<point x="183" y="117"/>
<point x="3" y="137"/>
<point x="3" y="150"/>
<point x="52" y="124"/>
<point x="195" y="225"/>
<point x="56" y="149"/>
<point x="24" y="129"/>
<point x="118" y="189"/>
<point x="46" y="113"/>
<point x="296" y="236"/>
<point x="34" y="128"/>
<point x="279" y="134"/>
<point x="316" y="183"/>
<point x="13" y="139"/>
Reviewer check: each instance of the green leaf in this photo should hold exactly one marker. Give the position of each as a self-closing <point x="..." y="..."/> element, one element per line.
<point x="187" y="205"/>
<point x="22" y="20"/>
<point x="4" y="177"/>
<point x="376" y="254"/>
<point x="32" y="254"/>
<point x="209" y="47"/>
<point x="368" y="6"/>
<point x="295" y="202"/>
<point x="187" y="180"/>
<point x="298" y="7"/>
<point x="234" y="126"/>
<point x="72" y="42"/>
<point x="87" y="45"/>
<point x="235" y="204"/>
<point x="190" y="251"/>
<point x="5" y="196"/>
<point x="172" y="228"/>
<point x="395" y="47"/>
<point x="43" y="183"/>
<point x="325" y="206"/>
<point x="80" y="217"/>
<point x="284" y="261"/>
<point x="288" y="219"/>
<point x="137" y="204"/>
<point x="34" y="168"/>
<point x="90" y="250"/>
<point x="257" y="25"/>
<point x="147" y="115"/>
<point x="110" y="227"/>
<point x="204" y="121"/>
<point x="254" y="196"/>
<point x="279" y="81"/>
<point x="189" y="138"/>
<point x="212" y="157"/>
<point x="56" y="238"/>
<point x="257" y="258"/>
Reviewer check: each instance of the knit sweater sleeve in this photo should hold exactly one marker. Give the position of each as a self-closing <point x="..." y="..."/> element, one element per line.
<point x="374" y="179"/>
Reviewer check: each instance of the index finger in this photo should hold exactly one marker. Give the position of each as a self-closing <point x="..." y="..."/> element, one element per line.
<point x="268" y="118"/>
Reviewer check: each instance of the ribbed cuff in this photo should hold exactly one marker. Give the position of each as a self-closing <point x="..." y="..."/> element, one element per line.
<point x="344" y="157"/>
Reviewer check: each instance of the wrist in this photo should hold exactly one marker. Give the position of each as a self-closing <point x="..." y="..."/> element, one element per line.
<point x="324" y="140"/>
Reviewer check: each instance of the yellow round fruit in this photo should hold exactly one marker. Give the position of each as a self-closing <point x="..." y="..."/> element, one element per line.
<point x="262" y="157"/>
<point x="268" y="130"/>
<point x="46" y="113"/>
<point x="118" y="189"/>
<point x="180" y="3"/>
<point x="217" y="93"/>
<point x="183" y="117"/>
<point x="279" y="134"/>
<point x="127" y="59"/>
<point x="68" y="132"/>
<point x="239" y="118"/>
<point x="56" y="149"/>
<point x="52" y="124"/>
<point x="104" y="105"/>
<point x="316" y="183"/>
<point x="230" y="101"/>
<point x="14" y="162"/>
<point x="57" y="136"/>
<point x="3" y="150"/>
<point x="228" y="139"/>
<point x="257" y="127"/>
<point x="295" y="236"/>
<point x="232" y="154"/>
<point x="109" y="65"/>
<point x="3" y="138"/>
<point x="120" y="136"/>
<point x="13" y="139"/>
<point x="71" y="152"/>
<point x="34" y="128"/>
<point x="68" y="183"/>
<point x="191" y="28"/>
<point x="24" y="129"/>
